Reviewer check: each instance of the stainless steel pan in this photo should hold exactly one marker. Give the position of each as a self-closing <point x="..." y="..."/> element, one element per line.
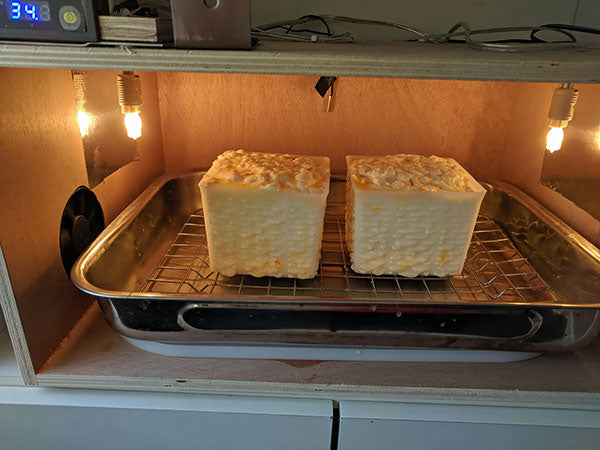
<point x="530" y="283"/>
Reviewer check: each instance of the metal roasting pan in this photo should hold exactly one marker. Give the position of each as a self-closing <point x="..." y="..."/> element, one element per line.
<point x="530" y="283"/>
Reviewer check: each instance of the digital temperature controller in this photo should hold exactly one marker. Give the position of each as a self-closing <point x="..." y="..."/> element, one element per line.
<point x="28" y="11"/>
<point x="55" y="20"/>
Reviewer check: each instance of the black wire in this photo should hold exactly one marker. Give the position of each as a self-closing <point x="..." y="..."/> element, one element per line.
<point x="311" y="18"/>
<point x="555" y="28"/>
<point x="560" y="28"/>
<point x="287" y="30"/>
<point x="322" y="33"/>
<point x="563" y="26"/>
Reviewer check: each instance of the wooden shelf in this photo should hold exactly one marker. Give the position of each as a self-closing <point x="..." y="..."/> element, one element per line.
<point x="398" y="60"/>
<point x="95" y="356"/>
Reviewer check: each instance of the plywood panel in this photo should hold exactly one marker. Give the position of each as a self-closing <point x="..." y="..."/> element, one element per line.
<point x="14" y="345"/>
<point x="205" y="114"/>
<point x="580" y="156"/>
<point x="41" y="163"/>
<point x="96" y="356"/>
<point x="107" y="147"/>
<point x="496" y="130"/>
<point x="396" y="60"/>
<point x="523" y="156"/>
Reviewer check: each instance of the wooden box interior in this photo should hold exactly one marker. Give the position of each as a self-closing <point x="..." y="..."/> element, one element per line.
<point x="495" y="129"/>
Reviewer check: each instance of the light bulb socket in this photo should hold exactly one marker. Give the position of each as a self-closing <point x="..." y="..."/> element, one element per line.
<point x="128" y="109"/>
<point x="130" y="92"/>
<point x="555" y="123"/>
<point x="562" y="106"/>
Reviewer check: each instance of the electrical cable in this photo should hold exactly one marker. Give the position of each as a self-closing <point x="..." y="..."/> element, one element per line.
<point x="261" y="31"/>
<point x="316" y="35"/>
<point x="303" y="19"/>
<point x="564" y="26"/>
<point x="509" y="45"/>
<point x="375" y="22"/>
<point x="346" y="37"/>
<point x="311" y="16"/>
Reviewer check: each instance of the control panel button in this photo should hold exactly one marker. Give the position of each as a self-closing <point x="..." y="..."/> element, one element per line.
<point x="70" y="18"/>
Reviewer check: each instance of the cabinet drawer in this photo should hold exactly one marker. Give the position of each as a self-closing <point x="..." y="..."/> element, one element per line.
<point x="406" y="426"/>
<point x="33" y="418"/>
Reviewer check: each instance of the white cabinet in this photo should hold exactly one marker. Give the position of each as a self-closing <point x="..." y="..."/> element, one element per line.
<point x="62" y="419"/>
<point x="411" y="426"/>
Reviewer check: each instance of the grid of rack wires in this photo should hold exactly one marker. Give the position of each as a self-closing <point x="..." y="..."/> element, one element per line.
<point x="494" y="271"/>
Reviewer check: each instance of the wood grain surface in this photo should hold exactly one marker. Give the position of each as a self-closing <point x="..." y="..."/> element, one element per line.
<point x="18" y="344"/>
<point x="135" y="29"/>
<point x="524" y="156"/>
<point x="205" y="114"/>
<point x="122" y="186"/>
<point x="393" y="60"/>
<point x="41" y="164"/>
<point x="95" y="356"/>
<point x="579" y="156"/>
<point x="495" y="130"/>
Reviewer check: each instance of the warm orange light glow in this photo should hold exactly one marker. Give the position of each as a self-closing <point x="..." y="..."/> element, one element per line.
<point x="133" y="124"/>
<point x="554" y="139"/>
<point x="85" y="121"/>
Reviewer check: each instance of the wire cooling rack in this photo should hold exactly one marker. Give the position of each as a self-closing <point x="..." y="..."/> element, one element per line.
<point x="494" y="271"/>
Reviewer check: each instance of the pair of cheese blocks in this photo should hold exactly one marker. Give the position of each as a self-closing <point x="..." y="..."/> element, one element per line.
<point x="405" y="214"/>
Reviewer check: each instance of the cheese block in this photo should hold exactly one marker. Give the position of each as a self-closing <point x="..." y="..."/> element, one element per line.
<point x="409" y="215"/>
<point x="264" y="213"/>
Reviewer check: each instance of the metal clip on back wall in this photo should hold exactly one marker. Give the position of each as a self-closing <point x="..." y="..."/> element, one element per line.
<point x="323" y="85"/>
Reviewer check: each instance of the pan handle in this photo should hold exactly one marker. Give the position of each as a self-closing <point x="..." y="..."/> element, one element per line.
<point x="180" y="319"/>
<point x="535" y="319"/>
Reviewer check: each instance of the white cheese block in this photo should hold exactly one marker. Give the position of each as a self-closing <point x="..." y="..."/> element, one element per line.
<point x="409" y="215"/>
<point x="264" y="213"/>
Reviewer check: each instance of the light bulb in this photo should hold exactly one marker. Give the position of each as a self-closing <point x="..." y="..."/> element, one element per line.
<point x="554" y="139"/>
<point x="133" y="124"/>
<point x="80" y="86"/>
<point x="84" y="120"/>
<point x="560" y="114"/>
<point x="129" y="88"/>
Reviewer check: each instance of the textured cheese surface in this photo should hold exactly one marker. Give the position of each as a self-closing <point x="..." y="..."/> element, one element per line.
<point x="255" y="229"/>
<point x="409" y="173"/>
<point x="273" y="171"/>
<point x="422" y="228"/>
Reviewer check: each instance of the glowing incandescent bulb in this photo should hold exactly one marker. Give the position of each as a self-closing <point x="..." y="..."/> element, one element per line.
<point x="560" y="114"/>
<point x="554" y="139"/>
<point x="84" y="120"/>
<point x="133" y="124"/>
<point x="130" y="99"/>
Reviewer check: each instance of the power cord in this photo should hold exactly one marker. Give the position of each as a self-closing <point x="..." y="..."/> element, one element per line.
<point x="460" y="30"/>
